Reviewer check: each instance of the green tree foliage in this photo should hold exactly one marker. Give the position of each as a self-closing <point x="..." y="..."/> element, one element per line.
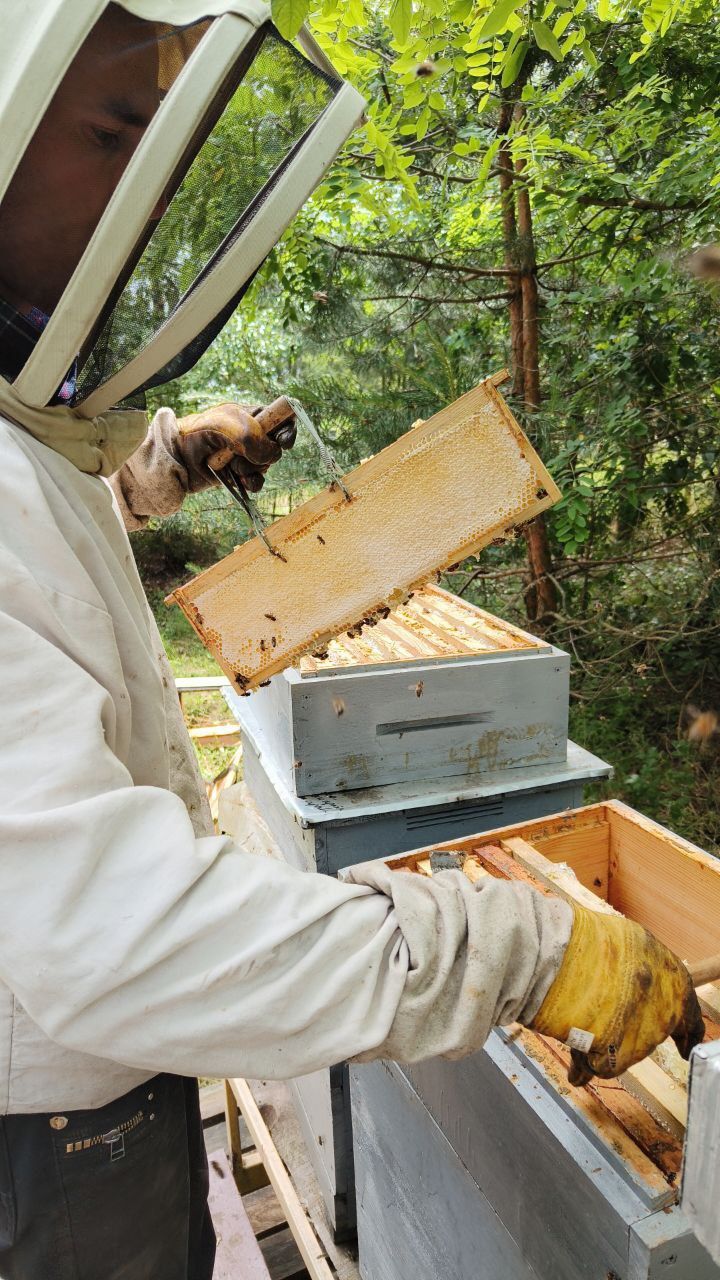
<point x="390" y="295"/>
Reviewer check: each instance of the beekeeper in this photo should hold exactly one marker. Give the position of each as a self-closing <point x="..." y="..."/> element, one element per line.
<point x="146" y="171"/>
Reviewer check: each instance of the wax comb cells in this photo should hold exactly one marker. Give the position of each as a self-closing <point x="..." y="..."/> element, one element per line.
<point x="438" y="494"/>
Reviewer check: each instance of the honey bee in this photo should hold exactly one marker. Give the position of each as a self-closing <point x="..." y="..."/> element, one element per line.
<point x="700" y="726"/>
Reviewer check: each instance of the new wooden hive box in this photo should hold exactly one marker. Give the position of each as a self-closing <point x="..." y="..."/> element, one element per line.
<point x="438" y="689"/>
<point x="495" y="1165"/>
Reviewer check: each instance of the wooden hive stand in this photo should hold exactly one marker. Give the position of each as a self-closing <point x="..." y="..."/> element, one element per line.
<point x="274" y="1232"/>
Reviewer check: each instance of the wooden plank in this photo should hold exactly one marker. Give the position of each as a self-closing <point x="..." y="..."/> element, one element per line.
<point x="281" y="1256"/>
<point x="264" y="1211"/>
<point x="438" y="638"/>
<point x="199" y="684"/>
<point x="476" y="624"/>
<point x="438" y="494"/>
<point x="586" y="850"/>
<point x="625" y="1129"/>
<point x="288" y="1136"/>
<point x="441" y="624"/>
<point x="665" y="883"/>
<point x="248" y="1167"/>
<point x="660" y="1147"/>
<point x="216" y="735"/>
<point x="709" y="997"/>
<point x="312" y="1252"/>
<point x="238" y="1252"/>
<point x="559" y="878"/>
<point x="664" y="1097"/>
<point x="657" y="1084"/>
<point x="586" y="828"/>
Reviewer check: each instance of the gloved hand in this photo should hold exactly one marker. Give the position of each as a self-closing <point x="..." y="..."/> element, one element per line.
<point x="200" y="435"/>
<point x="625" y="989"/>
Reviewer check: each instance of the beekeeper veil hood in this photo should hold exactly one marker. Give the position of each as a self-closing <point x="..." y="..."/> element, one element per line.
<point x="154" y="152"/>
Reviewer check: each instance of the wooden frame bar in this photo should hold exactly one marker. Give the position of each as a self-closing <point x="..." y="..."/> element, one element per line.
<point x="441" y="492"/>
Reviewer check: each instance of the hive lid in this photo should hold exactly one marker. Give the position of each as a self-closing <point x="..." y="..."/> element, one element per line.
<point x="447" y="488"/>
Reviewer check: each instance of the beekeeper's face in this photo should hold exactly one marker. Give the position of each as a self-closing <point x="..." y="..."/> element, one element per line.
<point x="76" y="158"/>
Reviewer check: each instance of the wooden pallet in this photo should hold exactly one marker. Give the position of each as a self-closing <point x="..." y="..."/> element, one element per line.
<point x="263" y="1201"/>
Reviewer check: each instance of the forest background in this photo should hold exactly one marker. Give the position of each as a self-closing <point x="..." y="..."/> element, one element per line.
<point x="525" y="191"/>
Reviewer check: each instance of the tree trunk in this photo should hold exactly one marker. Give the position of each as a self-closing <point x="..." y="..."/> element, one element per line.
<point x="510" y="247"/>
<point x="541" y="597"/>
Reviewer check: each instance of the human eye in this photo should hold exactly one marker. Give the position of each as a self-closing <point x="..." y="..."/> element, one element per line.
<point x="108" y="139"/>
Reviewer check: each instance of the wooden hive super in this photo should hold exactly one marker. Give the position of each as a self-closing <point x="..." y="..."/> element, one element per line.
<point x="542" y="1180"/>
<point x="438" y="494"/>
<point x="439" y="689"/>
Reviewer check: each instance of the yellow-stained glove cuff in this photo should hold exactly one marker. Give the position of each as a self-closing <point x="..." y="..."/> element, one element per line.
<point x="617" y="995"/>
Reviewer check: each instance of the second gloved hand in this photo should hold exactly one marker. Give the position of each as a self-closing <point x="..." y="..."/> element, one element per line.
<point x="617" y="995"/>
<point x="233" y="426"/>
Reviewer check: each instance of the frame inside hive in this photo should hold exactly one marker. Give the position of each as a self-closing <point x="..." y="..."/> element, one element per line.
<point x="438" y="494"/>
<point x="432" y="626"/>
<point x="612" y="853"/>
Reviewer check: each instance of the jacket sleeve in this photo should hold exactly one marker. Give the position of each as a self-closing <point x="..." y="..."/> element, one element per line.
<point x="153" y="481"/>
<point x="125" y="936"/>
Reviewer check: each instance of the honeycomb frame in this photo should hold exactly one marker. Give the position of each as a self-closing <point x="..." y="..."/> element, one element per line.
<point x="341" y="564"/>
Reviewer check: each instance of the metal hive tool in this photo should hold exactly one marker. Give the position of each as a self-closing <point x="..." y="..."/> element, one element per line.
<point x="441" y="492"/>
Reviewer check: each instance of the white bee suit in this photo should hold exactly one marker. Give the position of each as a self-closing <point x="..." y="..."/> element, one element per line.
<point x="131" y="940"/>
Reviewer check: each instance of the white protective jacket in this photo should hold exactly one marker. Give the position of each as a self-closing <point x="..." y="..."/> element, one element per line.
<point x="131" y="940"/>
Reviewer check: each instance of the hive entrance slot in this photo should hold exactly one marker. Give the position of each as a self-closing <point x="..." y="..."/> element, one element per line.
<point x="400" y="727"/>
<point x="457" y="814"/>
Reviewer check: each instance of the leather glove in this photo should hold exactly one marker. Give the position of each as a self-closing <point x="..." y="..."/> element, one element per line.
<point x="234" y="426"/>
<point x="623" y="988"/>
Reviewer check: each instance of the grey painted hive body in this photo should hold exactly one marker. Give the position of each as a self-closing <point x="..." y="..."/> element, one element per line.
<point x="440" y="689"/>
<point x="475" y="1170"/>
<point x="325" y="833"/>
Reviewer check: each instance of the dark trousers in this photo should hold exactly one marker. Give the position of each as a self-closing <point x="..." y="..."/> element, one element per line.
<point x="118" y="1193"/>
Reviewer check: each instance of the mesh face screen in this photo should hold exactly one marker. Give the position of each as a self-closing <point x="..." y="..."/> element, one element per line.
<point x="280" y="97"/>
<point x="74" y="161"/>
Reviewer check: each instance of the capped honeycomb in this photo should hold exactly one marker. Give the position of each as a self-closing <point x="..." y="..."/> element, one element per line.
<point x="440" y="493"/>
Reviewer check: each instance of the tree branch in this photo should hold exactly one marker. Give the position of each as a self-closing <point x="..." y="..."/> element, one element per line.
<point x="417" y="260"/>
<point x="637" y="202"/>
<point x="419" y="297"/>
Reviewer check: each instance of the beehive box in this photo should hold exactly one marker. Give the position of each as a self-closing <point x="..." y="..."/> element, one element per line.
<point x="438" y="689"/>
<point x="326" y="833"/>
<point x="330" y="831"/>
<point x="438" y="494"/>
<point x="542" y="1180"/>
